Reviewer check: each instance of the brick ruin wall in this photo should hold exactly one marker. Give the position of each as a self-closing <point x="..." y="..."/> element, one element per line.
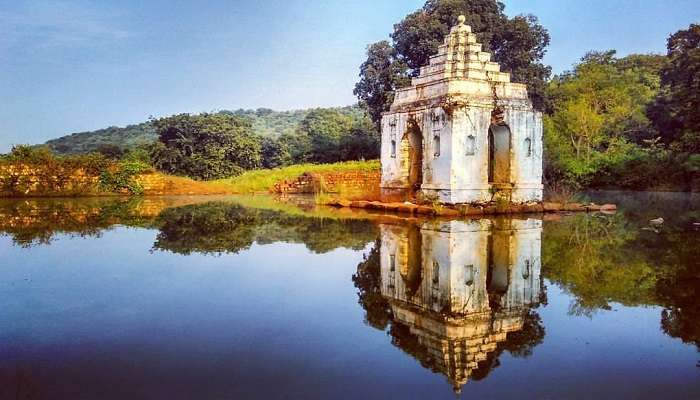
<point x="19" y="180"/>
<point x="331" y="182"/>
<point x="23" y="180"/>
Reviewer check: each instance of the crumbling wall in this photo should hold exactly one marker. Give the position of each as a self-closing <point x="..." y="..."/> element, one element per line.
<point x="355" y="181"/>
<point x="20" y="180"/>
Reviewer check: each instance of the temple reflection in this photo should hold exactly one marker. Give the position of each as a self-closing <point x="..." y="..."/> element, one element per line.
<point x="459" y="289"/>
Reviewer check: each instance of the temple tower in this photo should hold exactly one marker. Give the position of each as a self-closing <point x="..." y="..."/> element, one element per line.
<point x="462" y="132"/>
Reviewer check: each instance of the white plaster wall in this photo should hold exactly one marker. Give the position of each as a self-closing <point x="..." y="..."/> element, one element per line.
<point x="436" y="170"/>
<point x="391" y="166"/>
<point x="469" y="182"/>
<point x="526" y="171"/>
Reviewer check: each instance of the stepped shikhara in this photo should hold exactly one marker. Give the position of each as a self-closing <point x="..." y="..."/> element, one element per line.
<point x="462" y="132"/>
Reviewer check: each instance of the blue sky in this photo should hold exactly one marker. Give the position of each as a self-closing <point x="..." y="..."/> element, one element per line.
<point x="76" y="65"/>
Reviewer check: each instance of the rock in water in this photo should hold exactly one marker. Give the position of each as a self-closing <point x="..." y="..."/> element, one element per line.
<point x="656" y="221"/>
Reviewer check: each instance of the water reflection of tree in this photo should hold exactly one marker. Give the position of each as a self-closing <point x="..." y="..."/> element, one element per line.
<point x="589" y="257"/>
<point x="221" y="227"/>
<point x="603" y="259"/>
<point x="35" y="222"/>
<point x="215" y="227"/>
<point x="367" y="280"/>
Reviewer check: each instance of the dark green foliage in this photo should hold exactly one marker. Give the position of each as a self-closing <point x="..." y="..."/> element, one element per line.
<point x="275" y="153"/>
<point x="226" y="143"/>
<point x="676" y="112"/>
<point x="598" y="132"/>
<point x="265" y="122"/>
<point x="381" y="74"/>
<point x="325" y="129"/>
<point x="121" y="177"/>
<point x="519" y="46"/>
<point x="362" y="143"/>
<point x="86" y="142"/>
<point x="111" y="151"/>
<point x="205" y="146"/>
<point x="517" y="43"/>
<point x="629" y="122"/>
<point x="326" y="136"/>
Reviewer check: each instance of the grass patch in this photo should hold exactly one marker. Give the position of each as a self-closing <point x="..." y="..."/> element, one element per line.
<point x="263" y="180"/>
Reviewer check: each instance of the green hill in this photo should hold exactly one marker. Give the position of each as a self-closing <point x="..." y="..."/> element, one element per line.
<point x="85" y="142"/>
<point x="266" y="122"/>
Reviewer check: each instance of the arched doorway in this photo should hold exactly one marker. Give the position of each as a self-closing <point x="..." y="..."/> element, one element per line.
<point x="499" y="153"/>
<point x="412" y="157"/>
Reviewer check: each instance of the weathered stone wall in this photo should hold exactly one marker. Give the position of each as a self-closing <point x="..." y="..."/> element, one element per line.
<point x="359" y="181"/>
<point x="18" y="180"/>
<point x="155" y="184"/>
<point x="27" y="180"/>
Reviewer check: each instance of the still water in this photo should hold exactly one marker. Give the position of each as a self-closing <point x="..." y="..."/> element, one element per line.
<point x="238" y="297"/>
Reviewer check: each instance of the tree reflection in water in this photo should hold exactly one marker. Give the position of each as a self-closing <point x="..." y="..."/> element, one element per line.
<point x="456" y="295"/>
<point x="229" y="228"/>
<point x="597" y="259"/>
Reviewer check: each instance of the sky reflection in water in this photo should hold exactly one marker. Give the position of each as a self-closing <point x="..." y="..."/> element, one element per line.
<point x="194" y="298"/>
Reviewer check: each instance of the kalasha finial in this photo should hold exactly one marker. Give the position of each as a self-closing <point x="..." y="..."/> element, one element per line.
<point x="461" y="19"/>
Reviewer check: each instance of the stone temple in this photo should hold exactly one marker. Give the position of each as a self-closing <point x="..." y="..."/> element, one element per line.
<point x="462" y="132"/>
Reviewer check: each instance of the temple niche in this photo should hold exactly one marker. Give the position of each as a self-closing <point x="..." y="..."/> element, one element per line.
<point x="457" y="289"/>
<point x="462" y="132"/>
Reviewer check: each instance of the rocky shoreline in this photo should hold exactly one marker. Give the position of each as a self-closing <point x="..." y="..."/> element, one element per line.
<point x="473" y="209"/>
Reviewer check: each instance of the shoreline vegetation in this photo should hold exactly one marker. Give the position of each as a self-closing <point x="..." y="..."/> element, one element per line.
<point x="612" y="123"/>
<point x="38" y="172"/>
<point x="264" y="180"/>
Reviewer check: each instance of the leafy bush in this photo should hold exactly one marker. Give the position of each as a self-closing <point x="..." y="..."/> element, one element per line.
<point x="205" y="146"/>
<point x="57" y="173"/>
<point x="122" y="177"/>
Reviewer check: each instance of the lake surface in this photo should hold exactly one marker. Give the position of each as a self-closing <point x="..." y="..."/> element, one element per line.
<point x="240" y="297"/>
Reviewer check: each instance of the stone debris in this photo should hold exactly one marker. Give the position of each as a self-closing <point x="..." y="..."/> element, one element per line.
<point x="656" y="221"/>
<point x="473" y="209"/>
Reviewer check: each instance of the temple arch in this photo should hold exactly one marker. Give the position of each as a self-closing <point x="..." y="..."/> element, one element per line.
<point x="412" y="157"/>
<point x="499" y="153"/>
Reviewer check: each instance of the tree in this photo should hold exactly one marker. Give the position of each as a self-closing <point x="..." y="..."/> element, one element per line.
<point x="275" y="153"/>
<point x="380" y="74"/>
<point x="597" y="119"/>
<point x="518" y="44"/>
<point x="205" y="146"/>
<point x="325" y="129"/>
<point x="675" y="112"/>
<point x="111" y="151"/>
<point x="362" y="142"/>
